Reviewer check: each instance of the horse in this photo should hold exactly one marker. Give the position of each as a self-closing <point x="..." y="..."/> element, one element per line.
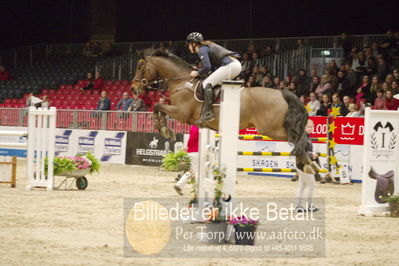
<point x="275" y="113"/>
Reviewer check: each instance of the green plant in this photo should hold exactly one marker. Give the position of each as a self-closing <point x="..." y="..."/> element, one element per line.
<point x="176" y="161"/>
<point x="390" y="198"/>
<point x="217" y="216"/>
<point x="95" y="164"/>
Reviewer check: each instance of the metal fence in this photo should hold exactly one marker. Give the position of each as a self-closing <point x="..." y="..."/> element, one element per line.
<point x="94" y="120"/>
<point x="28" y="55"/>
<point x="119" y="67"/>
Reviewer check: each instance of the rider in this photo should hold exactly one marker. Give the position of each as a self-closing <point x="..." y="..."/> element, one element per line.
<point x="213" y="56"/>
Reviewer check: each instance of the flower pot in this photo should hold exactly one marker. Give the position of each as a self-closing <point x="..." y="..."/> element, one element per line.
<point x="76" y="173"/>
<point x="216" y="233"/>
<point x="394" y="209"/>
<point x="244" y="235"/>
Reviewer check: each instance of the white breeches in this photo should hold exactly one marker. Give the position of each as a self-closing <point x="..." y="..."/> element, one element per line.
<point x="308" y="182"/>
<point x="226" y="72"/>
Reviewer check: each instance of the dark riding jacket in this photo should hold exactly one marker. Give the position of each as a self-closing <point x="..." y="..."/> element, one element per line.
<point x="213" y="56"/>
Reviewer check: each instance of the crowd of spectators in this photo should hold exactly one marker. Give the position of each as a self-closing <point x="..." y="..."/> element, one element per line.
<point x="363" y="76"/>
<point x="96" y="49"/>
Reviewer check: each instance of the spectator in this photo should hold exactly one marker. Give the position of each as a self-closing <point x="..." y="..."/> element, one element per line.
<point x="388" y="44"/>
<point x="45" y="102"/>
<point x="108" y="49"/>
<point x="351" y="77"/>
<point x="276" y="81"/>
<point x="171" y="47"/>
<point x="32" y="100"/>
<point x="247" y="66"/>
<point x="4" y="74"/>
<point x="147" y="100"/>
<point x="87" y="50"/>
<point x="264" y="70"/>
<point x="313" y="105"/>
<point x="125" y="102"/>
<point x="96" y="84"/>
<point x="375" y="85"/>
<point x="257" y="75"/>
<point x="390" y="102"/>
<point x="395" y="74"/>
<point x="301" y="82"/>
<point x="137" y="104"/>
<point x="325" y="85"/>
<point x="375" y="47"/>
<point x="313" y="73"/>
<point x="251" y="49"/>
<point x="342" y="83"/>
<point x="267" y="82"/>
<point x="336" y="103"/>
<point x="301" y="43"/>
<point x="104" y="103"/>
<point x="251" y="82"/>
<point x="346" y="45"/>
<point x="382" y="68"/>
<point x="256" y="59"/>
<point x="332" y="68"/>
<point x="360" y="63"/>
<point x="345" y="105"/>
<point x="268" y="50"/>
<point x="96" y="49"/>
<point x="394" y="87"/>
<point x="314" y="84"/>
<point x="372" y="66"/>
<point x="282" y="85"/>
<point x="379" y="102"/>
<point x="385" y="87"/>
<point x="292" y="88"/>
<point x="353" y="112"/>
<point x="302" y="98"/>
<point x="365" y="87"/>
<point x="389" y="79"/>
<point x="325" y="106"/>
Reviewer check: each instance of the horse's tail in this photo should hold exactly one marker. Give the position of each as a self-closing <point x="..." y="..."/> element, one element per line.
<point x="295" y="123"/>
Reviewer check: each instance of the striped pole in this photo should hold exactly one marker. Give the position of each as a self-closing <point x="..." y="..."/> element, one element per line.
<point x="274" y="170"/>
<point x="259" y="153"/>
<point x="261" y="137"/>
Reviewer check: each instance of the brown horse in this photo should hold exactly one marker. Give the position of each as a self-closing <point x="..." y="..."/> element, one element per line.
<point x="277" y="114"/>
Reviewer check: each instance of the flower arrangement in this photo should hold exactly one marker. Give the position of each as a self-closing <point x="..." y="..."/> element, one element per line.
<point x="393" y="201"/>
<point x="243" y="221"/>
<point x="176" y="161"/>
<point x="390" y="198"/>
<point x="64" y="164"/>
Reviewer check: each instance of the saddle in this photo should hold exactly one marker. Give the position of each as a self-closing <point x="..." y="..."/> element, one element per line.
<point x="199" y="93"/>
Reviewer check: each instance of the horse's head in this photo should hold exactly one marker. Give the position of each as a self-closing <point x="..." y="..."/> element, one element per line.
<point x="145" y="73"/>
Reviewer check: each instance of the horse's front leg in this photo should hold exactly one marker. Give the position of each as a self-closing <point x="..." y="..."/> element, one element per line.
<point x="162" y="110"/>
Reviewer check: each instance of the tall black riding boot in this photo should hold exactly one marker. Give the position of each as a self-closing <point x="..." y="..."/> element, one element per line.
<point x="207" y="113"/>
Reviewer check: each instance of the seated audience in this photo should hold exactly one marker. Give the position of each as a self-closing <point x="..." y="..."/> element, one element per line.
<point x="93" y="84"/>
<point x="125" y="102"/>
<point x="353" y="112"/>
<point x="137" y="104"/>
<point x="390" y="102"/>
<point x="4" y="74"/>
<point x="325" y="85"/>
<point x="267" y="82"/>
<point x="104" y="103"/>
<point x="313" y="105"/>
<point x="325" y="106"/>
<point x="379" y="102"/>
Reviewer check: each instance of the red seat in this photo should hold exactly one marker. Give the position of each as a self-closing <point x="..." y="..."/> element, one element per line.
<point x="114" y="87"/>
<point x="68" y="87"/>
<point x="118" y="82"/>
<point x="108" y="82"/>
<point x="62" y="86"/>
<point x="45" y="91"/>
<point x="51" y="92"/>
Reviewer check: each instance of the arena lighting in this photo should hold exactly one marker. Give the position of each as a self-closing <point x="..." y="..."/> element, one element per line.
<point x="326" y="52"/>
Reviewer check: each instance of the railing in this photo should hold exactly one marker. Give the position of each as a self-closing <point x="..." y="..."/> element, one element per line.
<point x="118" y="68"/>
<point x="28" y="55"/>
<point x="94" y="120"/>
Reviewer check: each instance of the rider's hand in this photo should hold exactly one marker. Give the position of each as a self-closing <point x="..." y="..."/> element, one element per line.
<point x="194" y="74"/>
<point x="315" y="155"/>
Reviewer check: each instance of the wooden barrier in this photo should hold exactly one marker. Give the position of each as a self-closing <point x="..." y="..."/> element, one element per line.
<point x="8" y="170"/>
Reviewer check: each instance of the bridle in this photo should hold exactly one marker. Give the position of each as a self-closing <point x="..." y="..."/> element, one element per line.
<point x="144" y="82"/>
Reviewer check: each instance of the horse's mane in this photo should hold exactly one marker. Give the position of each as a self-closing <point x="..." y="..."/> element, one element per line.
<point x="177" y="60"/>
